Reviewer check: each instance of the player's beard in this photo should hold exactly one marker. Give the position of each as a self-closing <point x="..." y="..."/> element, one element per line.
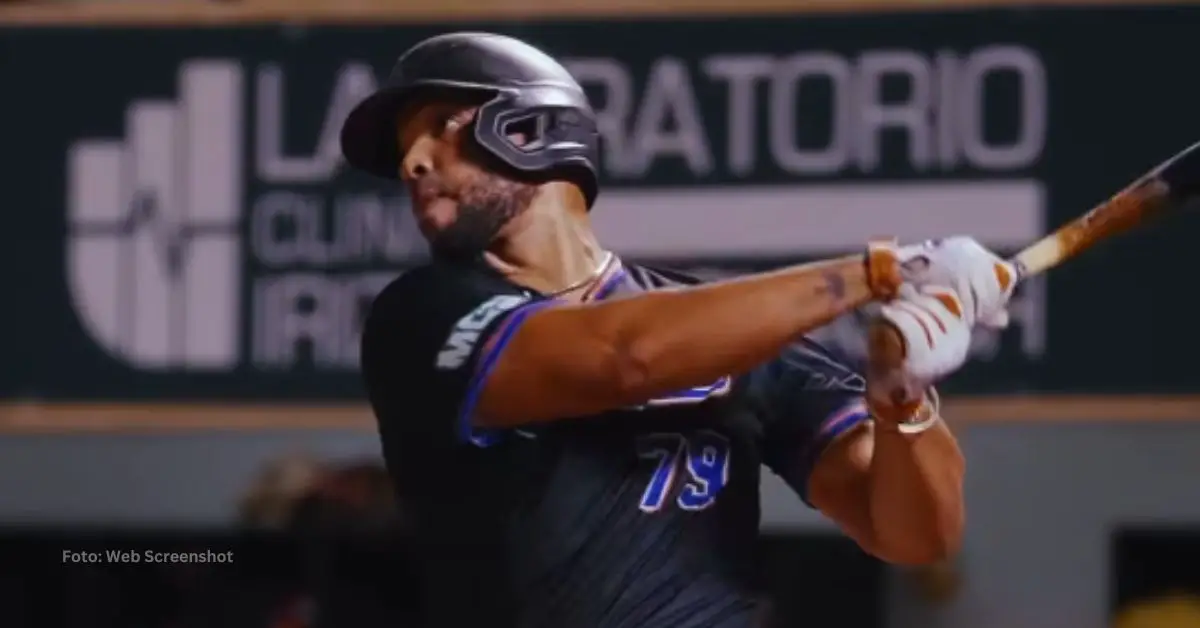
<point x="485" y="206"/>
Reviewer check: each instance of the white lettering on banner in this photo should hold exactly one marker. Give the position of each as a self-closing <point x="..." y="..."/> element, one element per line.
<point x="785" y="87"/>
<point x="293" y="229"/>
<point x="466" y="331"/>
<point x="821" y="113"/>
<point x="354" y="81"/>
<point x="611" y="118"/>
<point x="317" y="244"/>
<point x="312" y="317"/>
<point x="669" y="99"/>
<point x="944" y="117"/>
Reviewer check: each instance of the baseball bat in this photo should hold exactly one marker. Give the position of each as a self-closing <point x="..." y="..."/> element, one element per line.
<point x="1166" y="189"/>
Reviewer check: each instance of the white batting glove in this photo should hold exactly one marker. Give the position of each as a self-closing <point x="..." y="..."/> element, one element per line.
<point x="983" y="281"/>
<point x="932" y="323"/>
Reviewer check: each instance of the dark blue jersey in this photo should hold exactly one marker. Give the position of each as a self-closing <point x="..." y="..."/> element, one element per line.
<point x="644" y="517"/>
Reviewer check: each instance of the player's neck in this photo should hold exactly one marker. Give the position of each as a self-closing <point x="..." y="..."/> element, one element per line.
<point x="549" y="247"/>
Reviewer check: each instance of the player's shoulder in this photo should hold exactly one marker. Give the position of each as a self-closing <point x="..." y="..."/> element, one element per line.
<point x="418" y="308"/>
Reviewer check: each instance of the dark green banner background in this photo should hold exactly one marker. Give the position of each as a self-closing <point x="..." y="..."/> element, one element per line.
<point x="1115" y="91"/>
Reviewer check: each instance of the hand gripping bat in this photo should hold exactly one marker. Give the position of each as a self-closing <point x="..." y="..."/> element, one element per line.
<point x="1164" y="190"/>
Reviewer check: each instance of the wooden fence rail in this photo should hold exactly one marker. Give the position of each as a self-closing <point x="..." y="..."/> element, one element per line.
<point x="191" y="12"/>
<point x="51" y="418"/>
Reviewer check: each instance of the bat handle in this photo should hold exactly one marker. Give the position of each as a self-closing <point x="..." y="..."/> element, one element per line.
<point x="1020" y="268"/>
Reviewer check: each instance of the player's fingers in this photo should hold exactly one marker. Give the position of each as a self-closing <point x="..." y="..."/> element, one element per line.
<point x="947" y="298"/>
<point x="918" y="325"/>
<point x="998" y="320"/>
<point x="1006" y="276"/>
<point x="992" y="286"/>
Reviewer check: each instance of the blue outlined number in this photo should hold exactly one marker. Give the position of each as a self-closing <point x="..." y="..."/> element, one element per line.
<point x="703" y="460"/>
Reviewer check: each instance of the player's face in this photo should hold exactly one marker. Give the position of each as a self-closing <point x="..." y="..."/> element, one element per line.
<point x="460" y="205"/>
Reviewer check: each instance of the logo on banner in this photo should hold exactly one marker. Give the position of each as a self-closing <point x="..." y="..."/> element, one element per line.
<point x="197" y="243"/>
<point x="154" y="252"/>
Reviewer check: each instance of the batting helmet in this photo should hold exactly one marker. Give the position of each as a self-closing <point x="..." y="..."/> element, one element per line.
<point x="522" y="88"/>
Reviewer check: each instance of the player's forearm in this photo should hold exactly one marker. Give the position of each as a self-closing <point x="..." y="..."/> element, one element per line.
<point x="576" y="361"/>
<point x="676" y="339"/>
<point x="916" y="495"/>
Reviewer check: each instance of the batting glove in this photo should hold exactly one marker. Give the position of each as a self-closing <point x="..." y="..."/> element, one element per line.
<point x="981" y="280"/>
<point x="932" y="323"/>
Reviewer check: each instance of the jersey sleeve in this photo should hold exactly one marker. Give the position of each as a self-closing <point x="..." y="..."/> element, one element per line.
<point x="804" y="398"/>
<point x="430" y="342"/>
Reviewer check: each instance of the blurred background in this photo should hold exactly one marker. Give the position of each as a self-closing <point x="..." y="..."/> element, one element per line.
<point x="739" y="136"/>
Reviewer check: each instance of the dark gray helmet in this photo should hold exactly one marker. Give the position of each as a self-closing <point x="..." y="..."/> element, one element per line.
<point x="524" y="89"/>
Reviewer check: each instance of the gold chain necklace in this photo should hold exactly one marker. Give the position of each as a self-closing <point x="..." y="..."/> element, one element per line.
<point x="595" y="274"/>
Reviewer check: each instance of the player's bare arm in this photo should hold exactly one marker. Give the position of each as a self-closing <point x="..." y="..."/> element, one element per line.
<point x="895" y="483"/>
<point x="582" y="359"/>
<point x="898" y="492"/>
<point x="899" y="496"/>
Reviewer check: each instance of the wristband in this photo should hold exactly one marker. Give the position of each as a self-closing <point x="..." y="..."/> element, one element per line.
<point x="883" y="269"/>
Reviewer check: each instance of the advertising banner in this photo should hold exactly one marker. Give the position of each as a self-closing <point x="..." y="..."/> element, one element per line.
<point x="183" y="228"/>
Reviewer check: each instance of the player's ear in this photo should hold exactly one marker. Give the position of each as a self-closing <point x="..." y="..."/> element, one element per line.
<point x="456" y="120"/>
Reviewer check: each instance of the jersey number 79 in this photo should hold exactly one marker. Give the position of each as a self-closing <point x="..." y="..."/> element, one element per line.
<point x="701" y="458"/>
